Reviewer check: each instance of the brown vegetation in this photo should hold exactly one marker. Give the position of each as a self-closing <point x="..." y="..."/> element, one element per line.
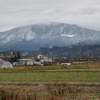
<point x="49" y="91"/>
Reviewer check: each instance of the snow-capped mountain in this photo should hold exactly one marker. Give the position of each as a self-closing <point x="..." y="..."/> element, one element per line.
<point x="40" y="35"/>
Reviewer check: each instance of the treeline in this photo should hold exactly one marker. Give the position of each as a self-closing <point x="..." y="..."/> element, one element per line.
<point x="10" y="56"/>
<point x="72" y="51"/>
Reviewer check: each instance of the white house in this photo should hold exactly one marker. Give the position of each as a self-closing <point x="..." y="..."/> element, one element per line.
<point x="41" y="57"/>
<point x="26" y="61"/>
<point x="65" y="63"/>
<point x="38" y="63"/>
<point x="46" y="60"/>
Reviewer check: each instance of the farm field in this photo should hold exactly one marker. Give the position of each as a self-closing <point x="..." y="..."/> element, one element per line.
<point x="75" y="82"/>
<point x="56" y="76"/>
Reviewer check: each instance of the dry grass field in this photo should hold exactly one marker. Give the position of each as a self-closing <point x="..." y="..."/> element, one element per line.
<point x="50" y="91"/>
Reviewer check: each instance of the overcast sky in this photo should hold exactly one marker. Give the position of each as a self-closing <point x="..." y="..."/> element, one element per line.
<point x="16" y="13"/>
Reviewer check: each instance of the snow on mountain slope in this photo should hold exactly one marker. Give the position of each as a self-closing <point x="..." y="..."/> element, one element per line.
<point x="67" y="35"/>
<point x="39" y="35"/>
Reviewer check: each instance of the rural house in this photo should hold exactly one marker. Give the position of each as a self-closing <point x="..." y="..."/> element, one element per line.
<point x="40" y="56"/>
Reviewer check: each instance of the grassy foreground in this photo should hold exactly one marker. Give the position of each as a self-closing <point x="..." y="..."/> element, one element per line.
<point x="51" y="77"/>
<point x="75" y="82"/>
<point x="55" y="73"/>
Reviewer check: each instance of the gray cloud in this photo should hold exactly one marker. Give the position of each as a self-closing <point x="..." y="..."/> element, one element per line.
<point x="90" y="10"/>
<point x="14" y="13"/>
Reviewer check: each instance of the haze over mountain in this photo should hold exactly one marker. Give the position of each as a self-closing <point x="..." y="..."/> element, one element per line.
<point x="32" y="37"/>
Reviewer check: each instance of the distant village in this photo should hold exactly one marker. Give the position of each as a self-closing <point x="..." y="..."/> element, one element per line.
<point x="16" y="59"/>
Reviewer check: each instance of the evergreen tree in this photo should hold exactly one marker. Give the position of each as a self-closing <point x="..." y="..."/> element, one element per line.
<point x="18" y="55"/>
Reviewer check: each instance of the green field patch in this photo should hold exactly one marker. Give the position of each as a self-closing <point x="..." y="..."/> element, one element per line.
<point x="51" y="77"/>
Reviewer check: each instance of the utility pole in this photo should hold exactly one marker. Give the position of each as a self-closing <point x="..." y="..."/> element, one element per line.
<point x="79" y="49"/>
<point x="48" y="51"/>
<point x="5" y="56"/>
<point x="99" y="53"/>
<point x="88" y="55"/>
<point x="92" y="54"/>
<point x="11" y="53"/>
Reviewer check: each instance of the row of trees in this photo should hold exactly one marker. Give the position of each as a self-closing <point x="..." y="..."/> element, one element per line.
<point x="14" y="57"/>
<point x="11" y="57"/>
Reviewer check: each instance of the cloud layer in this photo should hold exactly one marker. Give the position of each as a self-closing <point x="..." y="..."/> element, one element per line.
<point x="15" y="13"/>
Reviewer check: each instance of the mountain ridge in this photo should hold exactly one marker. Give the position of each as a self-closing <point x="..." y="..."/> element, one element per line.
<point x="56" y="34"/>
